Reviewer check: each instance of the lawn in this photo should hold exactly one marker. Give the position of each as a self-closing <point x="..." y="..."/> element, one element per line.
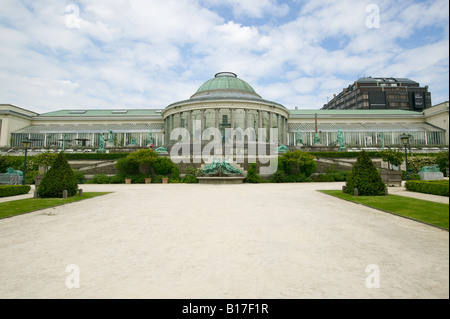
<point x="21" y="206"/>
<point x="417" y="209"/>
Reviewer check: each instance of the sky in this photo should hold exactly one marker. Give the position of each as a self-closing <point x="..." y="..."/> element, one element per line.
<point x="115" y="54"/>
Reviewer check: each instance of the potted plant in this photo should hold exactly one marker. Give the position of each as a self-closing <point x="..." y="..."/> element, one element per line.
<point x="165" y="180"/>
<point x="127" y="180"/>
<point x="148" y="180"/>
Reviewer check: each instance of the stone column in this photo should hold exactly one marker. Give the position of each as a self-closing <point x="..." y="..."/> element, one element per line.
<point x="232" y="118"/>
<point x="217" y="117"/>
<point x="246" y="120"/>
<point x="203" y="121"/>
<point x="189" y="125"/>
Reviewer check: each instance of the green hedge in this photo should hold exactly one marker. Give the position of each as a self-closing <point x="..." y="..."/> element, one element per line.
<point x="440" y="187"/>
<point x="12" y="190"/>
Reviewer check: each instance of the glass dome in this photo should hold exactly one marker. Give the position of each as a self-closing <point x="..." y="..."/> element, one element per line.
<point x="225" y="83"/>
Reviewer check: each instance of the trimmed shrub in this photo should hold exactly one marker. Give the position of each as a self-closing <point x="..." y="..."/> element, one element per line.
<point x="117" y="179"/>
<point x="126" y="166"/>
<point x="412" y="176"/>
<point x="13" y="190"/>
<point x="365" y="177"/>
<point x="429" y="187"/>
<point x="252" y="174"/>
<point x="100" y="179"/>
<point x="296" y="166"/>
<point x="163" y="166"/>
<point x="279" y="177"/>
<point x="80" y="177"/>
<point x="58" y="178"/>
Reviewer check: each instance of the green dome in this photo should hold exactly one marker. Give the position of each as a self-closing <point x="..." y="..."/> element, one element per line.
<point x="225" y="81"/>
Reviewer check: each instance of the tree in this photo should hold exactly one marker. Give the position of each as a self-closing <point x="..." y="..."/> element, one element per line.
<point x="394" y="158"/>
<point x="442" y="160"/>
<point x="252" y="174"/>
<point x="59" y="177"/>
<point x="365" y="177"/>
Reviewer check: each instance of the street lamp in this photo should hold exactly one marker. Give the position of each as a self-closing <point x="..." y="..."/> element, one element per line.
<point x="405" y="140"/>
<point x="26" y="145"/>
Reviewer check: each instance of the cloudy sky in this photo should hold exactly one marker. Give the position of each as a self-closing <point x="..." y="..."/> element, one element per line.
<point x="86" y="54"/>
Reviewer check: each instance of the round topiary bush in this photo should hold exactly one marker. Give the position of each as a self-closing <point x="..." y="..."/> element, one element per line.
<point x="365" y="177"/>
<point x="58" y="178"/>
<point x="252" y="174"/>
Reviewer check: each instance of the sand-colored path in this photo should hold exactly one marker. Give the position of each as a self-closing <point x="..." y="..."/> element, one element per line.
<point x="220" y="241"/>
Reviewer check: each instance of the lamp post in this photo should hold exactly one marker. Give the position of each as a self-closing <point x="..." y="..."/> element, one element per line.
<point x="26" y="145"/>
<point x="405" y="140"/>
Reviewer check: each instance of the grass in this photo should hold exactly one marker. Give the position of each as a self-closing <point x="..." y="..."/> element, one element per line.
<point x="421" y="210"/>
<point x="21" y="206"/>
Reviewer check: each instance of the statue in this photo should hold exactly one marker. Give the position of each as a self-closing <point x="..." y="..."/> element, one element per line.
<point x="341" y="140"/>
<point x="317" y="139"/>
<point x="111" y="136"/>
<point x="102" y="142"/>
<point x="150" y="137"/>
<point x="299" y="138"/>
<point x="132" y="142"/>
<point x="101" y="148"/>
<point x="11" y="170"/>
<point x="217" y="167"/>
<point x="282" y="149"/>
<point x="433" y="168"/>
<point x="161" y="150"/>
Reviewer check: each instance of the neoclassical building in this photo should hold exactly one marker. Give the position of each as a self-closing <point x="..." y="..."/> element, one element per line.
<point x="226" y="103"/>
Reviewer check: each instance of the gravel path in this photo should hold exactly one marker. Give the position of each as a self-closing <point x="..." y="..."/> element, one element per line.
<point x="220" y="241"/>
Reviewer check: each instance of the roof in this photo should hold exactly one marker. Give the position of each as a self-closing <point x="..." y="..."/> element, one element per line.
<point x="383" y="112"/>
<point x="385" y="80"/>
<point x="103" y="113"/>
<point x="94" y="128"/>
<point x="365" y="127"/>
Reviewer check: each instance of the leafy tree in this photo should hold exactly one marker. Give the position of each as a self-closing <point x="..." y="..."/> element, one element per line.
<point x="145" y="159"/>
<point x="252" y="174"/>
<point x="365" y="177"/>
<point x="442" y="160"/>
<point x="394" y="158"/>
<point x="58" y="178"/>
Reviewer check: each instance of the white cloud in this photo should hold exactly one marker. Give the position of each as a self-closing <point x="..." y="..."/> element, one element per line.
<point x="151" y="53"/>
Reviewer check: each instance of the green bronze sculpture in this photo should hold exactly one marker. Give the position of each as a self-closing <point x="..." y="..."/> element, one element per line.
<point x="220" y="168"/>
<point x="433" y="169"/>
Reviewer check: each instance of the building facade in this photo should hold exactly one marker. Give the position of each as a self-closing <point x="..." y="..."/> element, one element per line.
<point x="381" y="93"/>
<point x="225" y="104"/>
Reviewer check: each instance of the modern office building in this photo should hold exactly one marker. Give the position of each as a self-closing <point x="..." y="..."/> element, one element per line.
<point x="226" y="101"/>
<point x="381" y="93"/>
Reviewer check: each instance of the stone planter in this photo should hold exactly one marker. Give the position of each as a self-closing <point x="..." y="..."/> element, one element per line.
<point x="127" y="180"/>
<point x="148" y="180"/>
<point x="165" y="180"/>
